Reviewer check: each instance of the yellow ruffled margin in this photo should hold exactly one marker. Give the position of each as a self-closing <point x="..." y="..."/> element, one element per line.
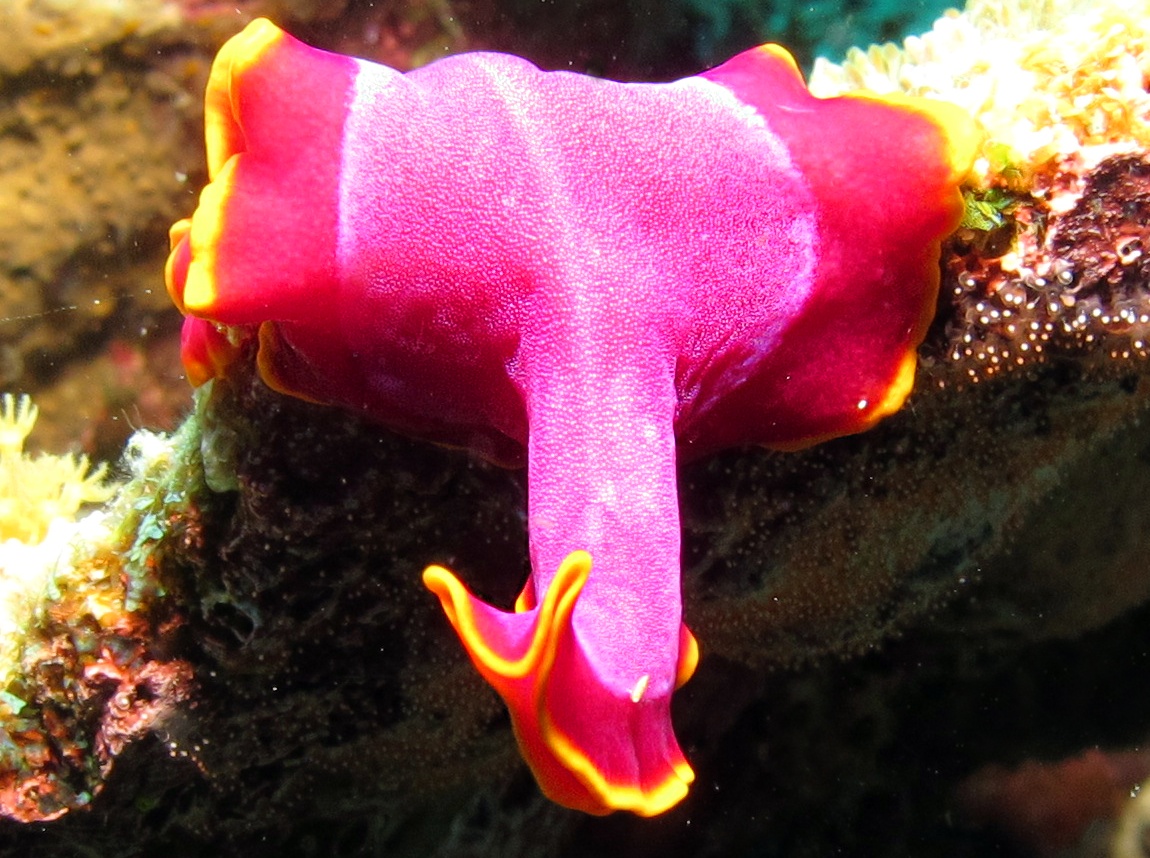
<point x="522" y="682"/>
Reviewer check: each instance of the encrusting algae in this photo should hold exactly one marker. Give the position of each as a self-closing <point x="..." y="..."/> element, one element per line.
<point x="79" y="616"/>
<point x="40" y="497"/>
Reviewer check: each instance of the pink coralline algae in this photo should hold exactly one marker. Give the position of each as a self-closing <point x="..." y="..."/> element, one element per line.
<point x="596" y="279"/>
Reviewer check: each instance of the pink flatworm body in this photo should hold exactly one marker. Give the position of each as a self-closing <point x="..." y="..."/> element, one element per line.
<point x="597" y="278"/>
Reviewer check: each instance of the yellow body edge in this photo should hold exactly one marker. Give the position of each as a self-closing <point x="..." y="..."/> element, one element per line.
<point x="240" y="52"/>
<point x="223" y="140"/>
<point x="555" y="610"/>
<point x="554" y="616"/>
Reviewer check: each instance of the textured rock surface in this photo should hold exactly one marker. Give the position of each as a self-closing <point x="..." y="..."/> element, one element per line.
<point x="335" y="716"/>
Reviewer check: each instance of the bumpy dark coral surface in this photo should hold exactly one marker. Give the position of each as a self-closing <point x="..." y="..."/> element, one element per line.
<point x="996" y="530"/>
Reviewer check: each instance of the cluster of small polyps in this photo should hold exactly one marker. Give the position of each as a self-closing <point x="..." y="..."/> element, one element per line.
<point x="1054" y="255"/>
<point x="1073" y="281"/>
<point x="77" y="681"/>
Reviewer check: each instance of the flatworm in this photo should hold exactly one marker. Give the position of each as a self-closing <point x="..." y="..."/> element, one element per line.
<point x="599" y="279"/>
